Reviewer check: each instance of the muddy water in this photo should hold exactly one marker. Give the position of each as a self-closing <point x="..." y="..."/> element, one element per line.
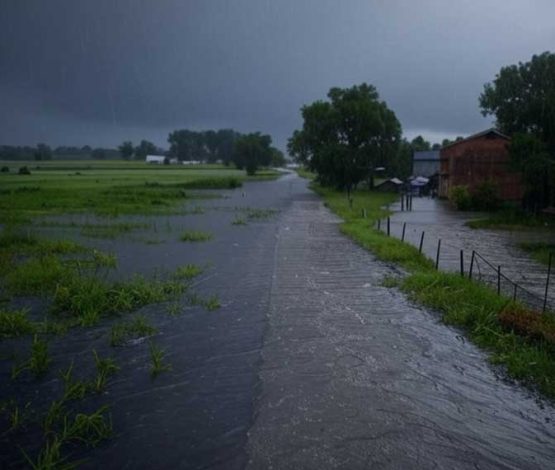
<point x="309" y="363"/>
<point x="353" y="376"/>
<point x="499" y="247"/>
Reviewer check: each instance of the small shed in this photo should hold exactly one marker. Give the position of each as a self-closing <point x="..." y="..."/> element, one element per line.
<point x="155" y="159"/>
<point x="392" y="185"/>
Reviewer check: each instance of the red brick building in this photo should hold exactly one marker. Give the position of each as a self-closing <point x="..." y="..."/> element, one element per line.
<point x="478" y="158"/>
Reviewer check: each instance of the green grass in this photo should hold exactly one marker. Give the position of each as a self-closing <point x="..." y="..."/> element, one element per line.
<point x="157" y="364"/>
<point x="211" y="303"/>
<point x="113" y="230"/>
<point x="472" y="307"/>
<point x="15" y="323"/>
<point x="513" y="219"/>
<point x="138" y="327"/>
<point x="108" y="189"/>
<point x="195" y="236"/>
<point x="105" y="367"/>
<point x="187" y="272"/>
<point x="304" y="173"/>
<point x="539" y="251"/>
<point x="38" y="362"/>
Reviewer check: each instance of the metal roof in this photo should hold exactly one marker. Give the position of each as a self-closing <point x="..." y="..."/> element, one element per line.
<point x="429" y="155"/>
<point x="492" y="130"/>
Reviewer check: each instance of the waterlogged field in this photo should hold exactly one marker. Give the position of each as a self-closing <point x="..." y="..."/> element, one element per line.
<point x="108" y="188"/>
<point x="104" y="268"/>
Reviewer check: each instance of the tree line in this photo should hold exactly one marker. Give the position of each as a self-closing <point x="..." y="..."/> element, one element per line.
<point x="45" y="152"/>
<point x="245" y="151"/>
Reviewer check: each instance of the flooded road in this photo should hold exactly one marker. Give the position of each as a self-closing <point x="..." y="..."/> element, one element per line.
<point x="353" y="376"/>
<point x="309" y="363"/>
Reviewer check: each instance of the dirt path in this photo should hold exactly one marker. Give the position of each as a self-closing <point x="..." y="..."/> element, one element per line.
<point x="353" y="376"/>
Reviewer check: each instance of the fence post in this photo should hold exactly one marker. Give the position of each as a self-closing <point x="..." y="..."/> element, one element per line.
<point x="379" y="224"/>
<point x="388" y="227"/>
<point x="365" y="213"/>
<point x="403" y="235"/>
<point x="402" y="202"/>
<point x="547" y="283"/>
<point x="471" y="265"/>
<point x="437" y="255"/>
<point x="462" y="263"/>
<point x="421" y="242"/>
<point x="514" y="293"/>
<point x="498" y="280"/>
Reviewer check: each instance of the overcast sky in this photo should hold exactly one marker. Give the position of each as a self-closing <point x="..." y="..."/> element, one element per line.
<point x="97" y="72"/>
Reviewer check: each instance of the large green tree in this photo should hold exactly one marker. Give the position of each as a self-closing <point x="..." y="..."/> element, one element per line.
<point x="522" y="99"/>
<point x="345" y="138"/>
<point x="252" y="151"/>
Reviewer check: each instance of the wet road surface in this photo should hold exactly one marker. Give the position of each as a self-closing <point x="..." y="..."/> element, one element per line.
<point x="353" y="376"/>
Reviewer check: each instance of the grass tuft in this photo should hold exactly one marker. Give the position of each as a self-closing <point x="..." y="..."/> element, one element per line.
<point x="195" y="236"/>
<point x="157" y="365"/>
<point x="122" y="332"/>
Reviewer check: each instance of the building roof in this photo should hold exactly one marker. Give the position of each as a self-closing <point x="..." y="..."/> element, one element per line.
<point x="480" y="134"/>
<point x="426" y="155"/>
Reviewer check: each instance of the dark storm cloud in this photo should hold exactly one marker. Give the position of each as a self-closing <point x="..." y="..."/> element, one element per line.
<point x="97" y="72"/>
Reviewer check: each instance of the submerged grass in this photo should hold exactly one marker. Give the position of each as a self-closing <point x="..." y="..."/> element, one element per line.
<point x="528" y="354"/>
<point x="15" y="323"/>
<point x="513" y="219"/>
<point x="539" y="251"/>
<point x="195" y="236"/>
<point x="157" y="364"/>
<point x="138" y="327"/>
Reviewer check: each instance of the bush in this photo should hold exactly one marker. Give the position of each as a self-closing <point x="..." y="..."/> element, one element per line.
<point x="24" y="171"/>
<point x="4" y="169"/>
<point x="460" y="197"/>
<point x="484" y="197"/>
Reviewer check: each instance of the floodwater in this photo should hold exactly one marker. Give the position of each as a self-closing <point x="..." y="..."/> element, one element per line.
<point x="498" y="247"/>
<point x="310" y="362"/>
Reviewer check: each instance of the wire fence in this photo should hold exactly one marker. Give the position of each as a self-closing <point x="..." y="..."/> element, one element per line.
<point x="474" y="265"/>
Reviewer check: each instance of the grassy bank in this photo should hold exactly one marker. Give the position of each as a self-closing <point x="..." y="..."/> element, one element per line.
<point x="521" y="340"/>
<point x="513" y="219"/>
<point x="539" y="251"/>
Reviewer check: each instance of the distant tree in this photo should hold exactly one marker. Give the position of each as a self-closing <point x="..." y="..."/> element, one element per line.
<point x="400" y="164"/>
<point x="420" y="144"/>
<point x="98" y="154"/>
<point x="344" y="139"/>
<point x="226" y="139"/>
<point x="182" y="144"/>
<point x="522" y="99"/>
<point x="252" y="151"/>
<point x="43" y="152"/>
<point x="126" y="150"/>
<point x="278" y="159"/>
<point x="436" y="146"/>
<point x="145" y="148"/>
<point x="210" y="139"/>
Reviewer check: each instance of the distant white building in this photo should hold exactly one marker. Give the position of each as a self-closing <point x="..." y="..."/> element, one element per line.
<point x="156" y="159"/>
<point x="191" y="162"/>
